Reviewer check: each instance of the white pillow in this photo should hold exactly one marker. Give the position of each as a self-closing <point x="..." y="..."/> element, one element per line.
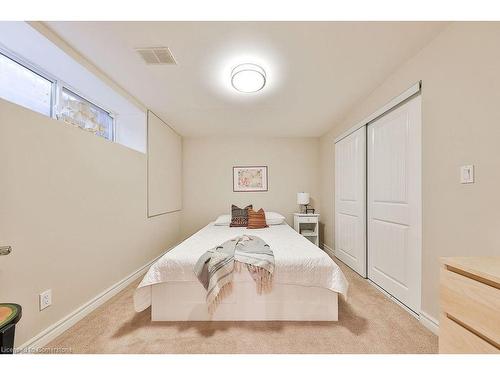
<point x="274" y="218"/>
<point x="223" y="220"/>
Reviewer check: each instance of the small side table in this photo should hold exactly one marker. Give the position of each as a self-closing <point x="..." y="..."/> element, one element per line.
<point x="308" y="226"/>
<point x="10" y="314"/>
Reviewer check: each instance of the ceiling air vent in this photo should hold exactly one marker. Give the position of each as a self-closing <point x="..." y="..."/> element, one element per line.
<point x="156" y="55"/>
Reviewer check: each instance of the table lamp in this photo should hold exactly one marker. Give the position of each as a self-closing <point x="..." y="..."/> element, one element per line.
<point x="303" y="199"/>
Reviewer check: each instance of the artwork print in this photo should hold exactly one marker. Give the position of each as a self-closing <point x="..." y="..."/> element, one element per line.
<point x="249" y="179"/>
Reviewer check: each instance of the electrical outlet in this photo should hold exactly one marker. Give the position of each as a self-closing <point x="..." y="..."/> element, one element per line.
<point x="45" y="299"/>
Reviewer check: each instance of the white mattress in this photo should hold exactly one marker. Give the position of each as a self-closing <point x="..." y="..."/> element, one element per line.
<point x="297" y="260"/>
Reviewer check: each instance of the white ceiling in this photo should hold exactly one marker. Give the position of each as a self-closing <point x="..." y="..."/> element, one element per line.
<point x="316" y="71"/>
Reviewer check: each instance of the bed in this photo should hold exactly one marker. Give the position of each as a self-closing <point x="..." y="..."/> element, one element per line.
<point x="306" y="281"/>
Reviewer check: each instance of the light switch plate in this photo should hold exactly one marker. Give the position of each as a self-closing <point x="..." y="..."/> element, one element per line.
<point x="45" y="299"/>
<point x="467" y="174"/>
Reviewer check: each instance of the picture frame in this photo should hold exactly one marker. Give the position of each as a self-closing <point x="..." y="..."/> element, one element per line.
<point x="250" y="179"/>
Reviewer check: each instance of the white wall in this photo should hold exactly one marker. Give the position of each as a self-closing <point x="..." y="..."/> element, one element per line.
<point x="208" y="175"/>
<point x="131" y="130"/>
<point x="164" y="167"/>
<point x="460" y="125"/>
<point x="73" y="206"/>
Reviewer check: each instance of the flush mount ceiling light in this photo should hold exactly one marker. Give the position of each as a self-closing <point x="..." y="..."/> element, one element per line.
<point x="248" y="78"/>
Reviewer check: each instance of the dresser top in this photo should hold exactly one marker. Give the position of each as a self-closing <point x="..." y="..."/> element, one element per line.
<point x="299" y="214"/>
<point x="487" y="268"/>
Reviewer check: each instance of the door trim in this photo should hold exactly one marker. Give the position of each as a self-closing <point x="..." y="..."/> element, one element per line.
<point x="408" y="93"/>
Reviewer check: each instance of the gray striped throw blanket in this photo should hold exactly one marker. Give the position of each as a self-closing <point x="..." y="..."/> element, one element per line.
<point x="215" y="268"/>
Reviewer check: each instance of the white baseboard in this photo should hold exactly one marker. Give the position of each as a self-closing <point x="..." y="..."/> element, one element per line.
<point x="425" y="319"/>
<point x="50" y="333"/>
<point x="429" y="322"/>
<point x="395" y="300"/>
<point x="328" y="250"/>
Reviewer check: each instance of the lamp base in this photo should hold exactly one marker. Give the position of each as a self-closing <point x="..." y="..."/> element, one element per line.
<point x="306" y="210"/>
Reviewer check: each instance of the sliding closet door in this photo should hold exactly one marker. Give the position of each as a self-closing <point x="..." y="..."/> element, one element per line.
<point x="350" y="201"/>
<point x="394" y="203"/>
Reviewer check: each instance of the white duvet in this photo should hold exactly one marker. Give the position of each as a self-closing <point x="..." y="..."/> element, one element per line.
<point x="297" y="260"/>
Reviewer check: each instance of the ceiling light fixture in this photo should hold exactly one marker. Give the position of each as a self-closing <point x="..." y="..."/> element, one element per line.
<point x="248" y="78"/>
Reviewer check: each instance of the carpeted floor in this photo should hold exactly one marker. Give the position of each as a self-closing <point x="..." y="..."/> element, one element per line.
<point x="368" y="323"/>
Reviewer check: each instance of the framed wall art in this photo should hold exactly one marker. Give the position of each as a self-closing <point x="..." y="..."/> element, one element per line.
<point x="253" y="178"/>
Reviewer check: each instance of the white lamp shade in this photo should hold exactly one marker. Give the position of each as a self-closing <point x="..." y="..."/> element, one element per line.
<point x="302" y="198"/>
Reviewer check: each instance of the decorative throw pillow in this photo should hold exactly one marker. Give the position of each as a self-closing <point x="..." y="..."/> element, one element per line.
<point x="239" y="216"/>
<point x="256" y="220"/>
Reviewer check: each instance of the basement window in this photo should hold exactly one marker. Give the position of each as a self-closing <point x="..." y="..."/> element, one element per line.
<point x="26" y="87"/>
<point x="80" y="112"/>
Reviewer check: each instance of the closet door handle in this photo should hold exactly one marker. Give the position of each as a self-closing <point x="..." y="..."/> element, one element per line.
<point x="5" y="250"/>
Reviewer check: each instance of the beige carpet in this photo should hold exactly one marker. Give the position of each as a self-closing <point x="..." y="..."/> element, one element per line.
<point x="368" y="323"/>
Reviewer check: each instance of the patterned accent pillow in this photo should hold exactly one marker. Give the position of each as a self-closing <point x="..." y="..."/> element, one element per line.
<point x="239" y="216"/>
<point x="256" y="220"/>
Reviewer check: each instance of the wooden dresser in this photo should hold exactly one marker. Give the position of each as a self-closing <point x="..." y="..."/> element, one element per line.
<point x="470" y="305"/>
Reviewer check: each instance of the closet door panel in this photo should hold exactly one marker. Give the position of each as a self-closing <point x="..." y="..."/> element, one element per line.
<point x="394" y="203"/>
<point x="350" y="201"/>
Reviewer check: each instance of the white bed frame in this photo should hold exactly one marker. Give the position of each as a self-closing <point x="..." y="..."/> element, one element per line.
<point x="185" y="301"/>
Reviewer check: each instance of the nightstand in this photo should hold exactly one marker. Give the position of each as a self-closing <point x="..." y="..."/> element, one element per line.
<point x="308" y="226"/>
